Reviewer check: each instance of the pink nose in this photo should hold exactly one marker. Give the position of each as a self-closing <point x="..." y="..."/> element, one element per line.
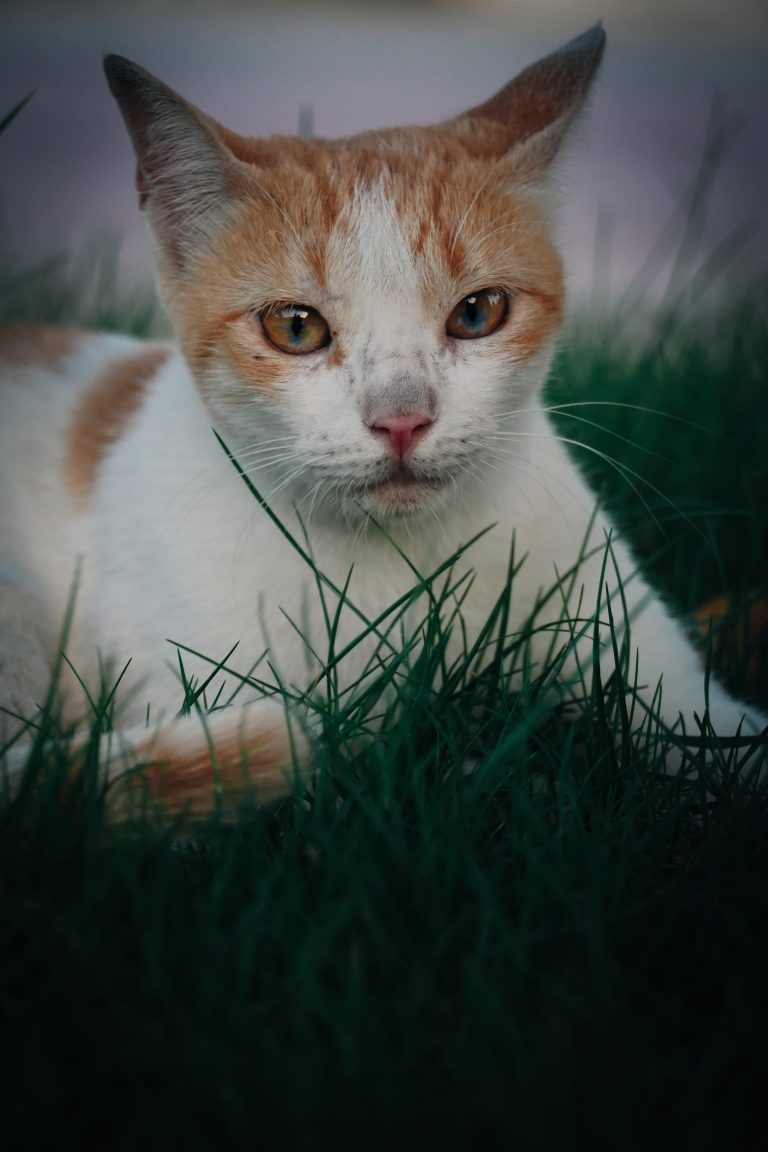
<point x="402" y="429"/>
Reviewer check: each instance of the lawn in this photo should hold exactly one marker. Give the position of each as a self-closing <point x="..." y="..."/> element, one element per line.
<point x="562" y="948"/>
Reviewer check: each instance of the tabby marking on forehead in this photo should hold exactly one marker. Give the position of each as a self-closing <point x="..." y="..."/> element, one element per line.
<point x="103" y="414"/>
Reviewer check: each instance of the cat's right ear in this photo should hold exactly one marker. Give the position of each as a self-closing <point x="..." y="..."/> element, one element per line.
<point x="185" y="176"/>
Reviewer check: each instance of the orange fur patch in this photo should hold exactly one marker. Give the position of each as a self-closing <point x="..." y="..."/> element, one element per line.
<point x="239" y="756"/>
<point x="103" y="414"/>
<point x="739" y="637"/>
<point x="40" y="345"/>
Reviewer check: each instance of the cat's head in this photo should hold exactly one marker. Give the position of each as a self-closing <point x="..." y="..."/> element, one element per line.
<point x="360" y="314"/>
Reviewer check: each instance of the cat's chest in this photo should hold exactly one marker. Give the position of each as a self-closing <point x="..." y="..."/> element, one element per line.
<point x="186" y="570"/>
<point x="222" y="585"/>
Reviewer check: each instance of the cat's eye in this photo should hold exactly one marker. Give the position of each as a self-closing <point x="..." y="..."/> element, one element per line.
<point x="478" y="314"/>
<point x="295" y="328"/>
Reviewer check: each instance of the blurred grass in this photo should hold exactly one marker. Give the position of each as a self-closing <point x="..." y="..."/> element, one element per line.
<point x="85" y="288"/>
<point x="683" y="416"/>
<point x="680" y="411"/>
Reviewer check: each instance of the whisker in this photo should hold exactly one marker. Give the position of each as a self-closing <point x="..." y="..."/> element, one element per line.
<point x="483" y="184"/>
<point x="488" y="233"/>
<point x="624" y="471"/>
<point x="268" y="196"/>
<point x="618" y="436"/>
<point x="636" y="408"/>
<point x="567" y="405"/>
<point x="486" y="465"/>
<point x="518" y="461"/>
<point x="276" y="441"/>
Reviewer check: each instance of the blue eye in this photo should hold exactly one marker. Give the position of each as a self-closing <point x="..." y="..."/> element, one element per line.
<point x="478" y="314"/>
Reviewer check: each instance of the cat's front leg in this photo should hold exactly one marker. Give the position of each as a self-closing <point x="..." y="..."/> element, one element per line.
<point x="714" y="719"/>
<point x="666" y="680"/>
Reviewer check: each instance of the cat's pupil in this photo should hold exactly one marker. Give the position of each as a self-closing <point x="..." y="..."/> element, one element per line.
<point x="478" y="314"/>
<point x="295" y="328"/>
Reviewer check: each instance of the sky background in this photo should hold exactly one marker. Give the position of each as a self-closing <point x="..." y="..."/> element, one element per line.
<point x="66" y="168"/>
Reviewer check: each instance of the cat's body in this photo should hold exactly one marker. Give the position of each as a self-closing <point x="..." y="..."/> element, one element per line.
<point x="367" y="325"/>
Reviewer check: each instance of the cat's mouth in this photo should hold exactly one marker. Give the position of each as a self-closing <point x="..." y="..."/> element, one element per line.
<point x="401" y="491"/>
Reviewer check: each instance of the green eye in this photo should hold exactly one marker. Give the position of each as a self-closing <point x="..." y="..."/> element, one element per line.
<point x="478" y="314"/>
<point x="295" y="328"/>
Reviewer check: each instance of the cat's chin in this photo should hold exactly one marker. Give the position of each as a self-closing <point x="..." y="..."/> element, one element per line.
<point x="400" y="496"/>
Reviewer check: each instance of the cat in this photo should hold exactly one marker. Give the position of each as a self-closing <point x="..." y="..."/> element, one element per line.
<point x="366" y="325"/>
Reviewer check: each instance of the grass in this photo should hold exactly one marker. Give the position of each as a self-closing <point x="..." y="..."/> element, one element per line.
<point x="682" y="413"/>
<point x="563" y="948"/>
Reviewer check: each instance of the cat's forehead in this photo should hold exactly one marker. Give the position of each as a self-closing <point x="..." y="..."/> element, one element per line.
<point x="399" y="215"/>
<point x="425" y="172"/>
<point x="381" y="200"/>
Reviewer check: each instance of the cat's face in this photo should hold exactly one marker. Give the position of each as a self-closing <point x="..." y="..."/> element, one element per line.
<point x="368" y="315"/>
<point x="360" y="315"/>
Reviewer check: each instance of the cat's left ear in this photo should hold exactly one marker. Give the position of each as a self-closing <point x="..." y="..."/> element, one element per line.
<point x="530" y="116"/>
<point x="185" y="176"/>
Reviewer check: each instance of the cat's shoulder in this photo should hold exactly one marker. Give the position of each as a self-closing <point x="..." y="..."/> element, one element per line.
<point x="78" y="387"/>
<point x="37" y="345"/>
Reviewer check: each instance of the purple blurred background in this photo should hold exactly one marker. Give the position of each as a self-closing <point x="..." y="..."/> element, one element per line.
<point x="66" y="169"/>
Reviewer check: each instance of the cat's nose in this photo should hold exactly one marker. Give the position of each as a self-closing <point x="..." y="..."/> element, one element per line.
<point x="403" y="430"/>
